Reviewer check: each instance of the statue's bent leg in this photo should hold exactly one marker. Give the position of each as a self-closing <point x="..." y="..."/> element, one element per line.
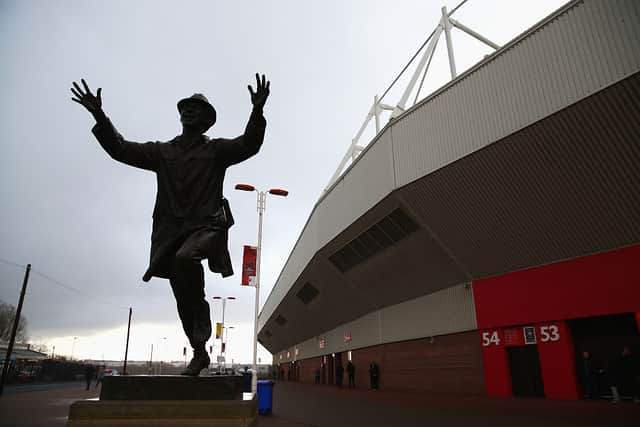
<point x="187" y="283"/>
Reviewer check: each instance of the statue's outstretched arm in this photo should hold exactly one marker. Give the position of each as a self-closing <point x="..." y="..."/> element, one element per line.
<point x="236" y="150"/>
<point x="131" y="153"/>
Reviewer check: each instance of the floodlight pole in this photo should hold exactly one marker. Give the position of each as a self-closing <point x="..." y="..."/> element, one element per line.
<point x="159" y="359"/>
<point x="445" y="25"/>
<point x="73" y="347"/>
<point x="14" y="331"/>
<point x="126" y="350"/>
<point x="151" y="361"/>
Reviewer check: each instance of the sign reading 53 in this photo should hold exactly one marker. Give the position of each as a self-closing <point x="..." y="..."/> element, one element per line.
<point x="549" y="333"/>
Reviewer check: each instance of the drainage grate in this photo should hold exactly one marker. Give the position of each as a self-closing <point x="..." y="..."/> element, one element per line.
<point x="389" y="230"/>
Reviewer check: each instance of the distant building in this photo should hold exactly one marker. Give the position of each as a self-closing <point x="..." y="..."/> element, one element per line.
<point x="25" y="364"/>
<point x="21" y="352"/>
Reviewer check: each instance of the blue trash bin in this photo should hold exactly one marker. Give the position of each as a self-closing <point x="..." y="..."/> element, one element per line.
<point x="265" y="397"/>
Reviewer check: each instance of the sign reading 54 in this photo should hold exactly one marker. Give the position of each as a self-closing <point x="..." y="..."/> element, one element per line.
<point x="549" y="333"/>
<point x="489" y="338"/>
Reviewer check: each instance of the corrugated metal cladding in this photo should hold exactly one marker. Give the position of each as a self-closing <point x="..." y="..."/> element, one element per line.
<point x="444" y="312"/>
<point x="515" y="138"/>
<point x="357" y="191"/>
<point x="590" y="46"/>
<point x="564" y="187"/>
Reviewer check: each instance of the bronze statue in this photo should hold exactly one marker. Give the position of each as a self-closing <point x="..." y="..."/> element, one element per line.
<point x="191" y="217"/>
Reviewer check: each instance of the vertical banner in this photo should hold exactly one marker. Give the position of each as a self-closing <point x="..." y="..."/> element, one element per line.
<point x="249" y="265"/>
<point x="218" y="330"/>
<point x="224" y="347"/>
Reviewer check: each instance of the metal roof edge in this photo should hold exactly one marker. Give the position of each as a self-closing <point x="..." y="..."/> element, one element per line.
<point x="509" y="45"/>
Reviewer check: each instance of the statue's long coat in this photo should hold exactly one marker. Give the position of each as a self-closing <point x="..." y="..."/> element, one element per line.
<point x="189" y="196"/>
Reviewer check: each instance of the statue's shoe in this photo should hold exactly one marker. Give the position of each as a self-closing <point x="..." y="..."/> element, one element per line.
<point x="197" y="364"/>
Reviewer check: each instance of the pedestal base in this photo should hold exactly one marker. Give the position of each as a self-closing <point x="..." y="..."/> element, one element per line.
<point x="165" y="413"/>
<point x="172" y="387"/>
<point x="168" y="401"/>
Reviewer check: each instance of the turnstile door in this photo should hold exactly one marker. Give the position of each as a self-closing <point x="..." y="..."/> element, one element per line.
<point x="526" y="377"/>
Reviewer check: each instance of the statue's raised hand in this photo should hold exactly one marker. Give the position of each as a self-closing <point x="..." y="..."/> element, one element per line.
<point x="259" y="97"/>
<point x="85" y="98"/>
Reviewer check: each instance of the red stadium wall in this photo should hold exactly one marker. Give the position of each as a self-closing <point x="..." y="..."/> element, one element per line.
<point x="557" y="360"/>
<point x="590" y="286"/>
<point x="544" y="297"/>
<point x="496" y="367"/>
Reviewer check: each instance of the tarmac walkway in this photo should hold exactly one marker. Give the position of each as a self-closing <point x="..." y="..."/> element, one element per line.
<point x="307" y="405"/>
<point x="329" y="406"/>
<point x="41" y="405"/>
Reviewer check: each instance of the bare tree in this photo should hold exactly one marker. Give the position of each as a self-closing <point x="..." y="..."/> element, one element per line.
<point x="7" y="316"/>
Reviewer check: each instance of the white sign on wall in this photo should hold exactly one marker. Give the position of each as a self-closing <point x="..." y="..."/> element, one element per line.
<point x="529" y="335"/>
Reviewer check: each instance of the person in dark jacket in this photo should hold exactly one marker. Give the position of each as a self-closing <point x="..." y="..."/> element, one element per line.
<point x="624" y="375"/>
<point x="89" y="374"/>
<point x="351" y="372"/>
<point x="374" y="375"/>
<point x="190" y="218"/>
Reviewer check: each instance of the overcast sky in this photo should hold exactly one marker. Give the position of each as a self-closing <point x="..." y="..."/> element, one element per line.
<point x="84" y="221"/>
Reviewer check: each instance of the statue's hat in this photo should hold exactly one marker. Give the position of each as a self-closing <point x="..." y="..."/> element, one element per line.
<point x="200" y="98"/>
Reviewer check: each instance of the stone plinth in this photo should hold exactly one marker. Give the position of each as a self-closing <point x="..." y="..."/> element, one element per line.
<point x="172" y="387"/>
<point x="165" y="413"/>
<point x="168" y="401"/>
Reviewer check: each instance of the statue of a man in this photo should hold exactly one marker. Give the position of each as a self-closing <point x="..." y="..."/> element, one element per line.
<point x="191" y="218"/>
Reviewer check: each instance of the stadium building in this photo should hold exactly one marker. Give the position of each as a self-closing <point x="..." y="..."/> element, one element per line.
<point x="489" y="234"/>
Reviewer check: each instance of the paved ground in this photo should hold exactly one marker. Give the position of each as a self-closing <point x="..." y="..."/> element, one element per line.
<point x="47" y="405"/>
<point x="303" y="405"/>
<point x="328" y="406"/>
<point x="40" y="405"/>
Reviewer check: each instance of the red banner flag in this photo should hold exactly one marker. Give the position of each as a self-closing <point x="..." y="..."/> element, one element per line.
<point x="249" y="265"/>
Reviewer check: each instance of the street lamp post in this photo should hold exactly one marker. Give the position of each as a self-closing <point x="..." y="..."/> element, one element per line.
<point x="224" y="303"/>
<point x="262" y="196"/>
<point x="151" y="361"/>
<point x="160" y="356"/>
<point x="73" y="347"/>
<point x="226" y="342"/>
